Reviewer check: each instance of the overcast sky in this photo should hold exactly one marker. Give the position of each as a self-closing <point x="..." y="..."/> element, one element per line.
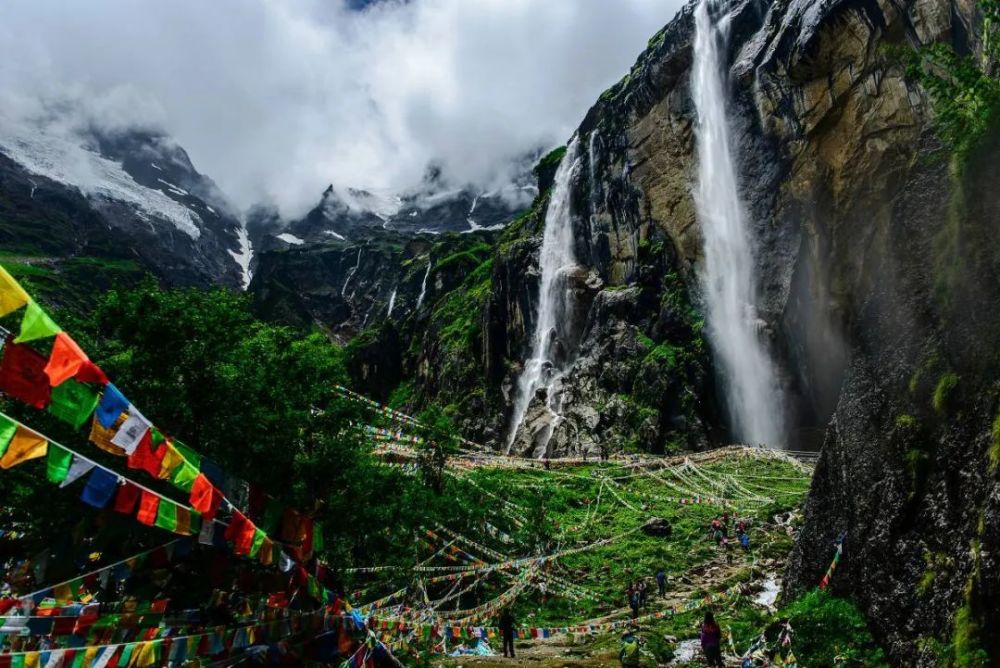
<point x="275" y="99"/>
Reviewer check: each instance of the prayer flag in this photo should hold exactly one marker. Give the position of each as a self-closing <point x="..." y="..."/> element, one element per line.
<point x="205" y="498"/>
<point x="166" y="515"/>
<point x="73" y="402"/>
<point x="101" y="436"/>
<point x="22" y="375"/>
<point x="145" y="458"/>
<point x="184" y="476"/>
<point x="36" y="324"/>
<point x="126" y="497"/>
<point x="192" y="457"/>
<point x="132" y="432"/>
<point x="148" y="506"/>
<point x="58" y="463"/>
<point x="187" y="522"/>
<point x="101" y="486"/>
<point x="7" y="430"/>
<point x="67" y="361"/>
<point x="78" y="468"/>
<point x="172" y="460"/>
<point x="113" y="403"/>
<point x="257" y="543"/>
<point x="25" y="445"/>
<point x="240" y="533"/>
<point x="12" y="295"/>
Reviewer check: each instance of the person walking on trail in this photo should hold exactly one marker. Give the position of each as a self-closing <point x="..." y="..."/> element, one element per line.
<point x="745" y="541"/>
<point x="634" y="602"/>
<point x="642" y="594"/>
<point x="711" y="641"/>
<point x="629" y="654"/>
<point x="507" y="632"/>
<point x="661" y="582"/>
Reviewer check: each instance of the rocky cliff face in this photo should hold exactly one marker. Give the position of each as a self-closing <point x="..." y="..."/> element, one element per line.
<point x="878" y="270"/>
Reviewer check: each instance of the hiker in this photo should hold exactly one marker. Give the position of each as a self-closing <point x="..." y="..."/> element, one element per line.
<point x="716" y="530"/>
<point x="711" y="640"/>
<point x="507" y="632"/>
<point x="634" y="602"/>
<point x="661" y="582"/>
<point x="745" y="541"/>
<point x="629" y="653"/>
<point x="725" y="525"/>
<point x="642" y="594"/>
<point x="628" y="593"/>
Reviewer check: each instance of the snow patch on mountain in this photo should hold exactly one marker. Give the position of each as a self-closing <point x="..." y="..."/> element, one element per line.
<point x="290" y="239"/>
<point x="61" y="159"/>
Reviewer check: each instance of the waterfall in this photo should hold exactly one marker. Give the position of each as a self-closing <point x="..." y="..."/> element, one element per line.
<point x="729" y="284"/>
<point x="423" y="286"/>
<point x="351" y="273"/>
<point x="392" y="302"/>
<point x="550" y="341"/>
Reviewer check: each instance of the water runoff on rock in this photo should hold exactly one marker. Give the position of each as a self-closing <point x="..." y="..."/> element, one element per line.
<point x="752" y="393"/>
<point x="555" y="304"/>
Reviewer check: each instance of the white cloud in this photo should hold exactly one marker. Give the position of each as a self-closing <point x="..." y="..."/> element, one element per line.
<point x="275" y="99"/>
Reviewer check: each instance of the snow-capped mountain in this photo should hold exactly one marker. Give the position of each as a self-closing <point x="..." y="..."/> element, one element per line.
<point x="350" y="213"/>
<point x="138" y="184"/>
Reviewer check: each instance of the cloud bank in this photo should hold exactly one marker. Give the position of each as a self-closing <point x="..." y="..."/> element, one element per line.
<point x="275" y="99"/>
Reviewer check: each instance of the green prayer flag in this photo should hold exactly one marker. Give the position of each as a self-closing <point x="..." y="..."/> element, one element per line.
<point x="157" y="436"/>
<point x="17" y="661"/>
<point x="317" y="537"/>
<point x="258" y="540"/>
<point x="272" y="516"/>
<point x="313" y="588"/>
<point x="36" y="324"/>
<point x="78" y="660"/>
<point x="184" y="475"/>
<point x="7" y="430"/>
<point x="195" y="523"/>
<point x="166" y="515"/>
<point x="126" y="656"/>
<point x="58" y="462"/>
<point x="192" y="457"/>
<point x="73" y="402"/>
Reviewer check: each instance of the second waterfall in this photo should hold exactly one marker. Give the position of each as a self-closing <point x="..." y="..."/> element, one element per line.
<point x="552" y="342"/>
<point x="728" y="277"/>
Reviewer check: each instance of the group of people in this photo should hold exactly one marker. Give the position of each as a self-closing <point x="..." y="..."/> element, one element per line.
<point x="637" y="593"/>
<point x="719" y="531"/>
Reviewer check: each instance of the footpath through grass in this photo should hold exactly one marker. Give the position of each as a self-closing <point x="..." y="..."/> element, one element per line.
<point x="597" y="513"/>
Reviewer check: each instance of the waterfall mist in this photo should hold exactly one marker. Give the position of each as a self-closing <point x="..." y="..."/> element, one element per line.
<point x="753" y="396"/>
<point x="549" y="343"/>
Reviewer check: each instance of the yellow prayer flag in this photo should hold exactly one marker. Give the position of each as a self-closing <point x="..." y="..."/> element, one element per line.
<point x="62" y="593"/>
<point x="171" y="460"/>
<point x="12" y="295"/>
<point x="266" y="554"/>
<point x="24" y="446"/>
<point x="31" y="660"/>
<point x="88" y="657"/>
<point x="144" y="654"/>
<point x="101" y="437"/>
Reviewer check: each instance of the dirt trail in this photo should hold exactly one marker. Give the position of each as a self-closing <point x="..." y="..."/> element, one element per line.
<point x="579" y="651"/>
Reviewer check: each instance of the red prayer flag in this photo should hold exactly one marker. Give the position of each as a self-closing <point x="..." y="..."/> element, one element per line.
<point x="240" y="533"/>
<point x="126" y="497"/>
<point x="205" y="498"/>
<point x="148" y="506"/>
<point x="22" y="375"/>
<point x="147" y="458"/>
<point x="69" y="361"/>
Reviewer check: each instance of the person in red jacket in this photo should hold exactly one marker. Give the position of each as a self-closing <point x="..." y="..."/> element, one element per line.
<point x="711" y="640"/>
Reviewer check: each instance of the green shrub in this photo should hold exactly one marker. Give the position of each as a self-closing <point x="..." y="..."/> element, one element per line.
<point x="943" y="391"/>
